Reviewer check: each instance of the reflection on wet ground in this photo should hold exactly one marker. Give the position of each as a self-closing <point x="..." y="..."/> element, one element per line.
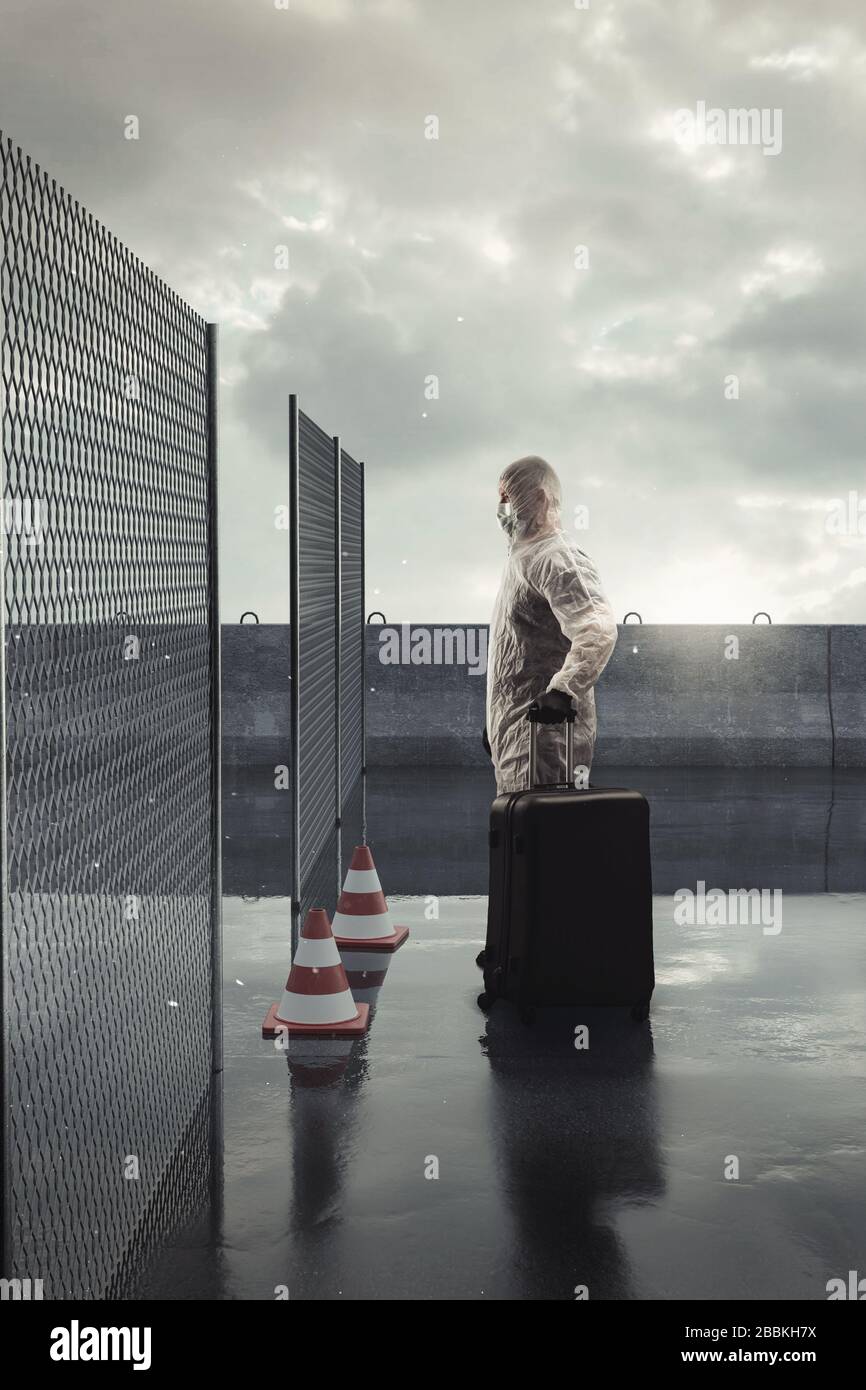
<point x="452" y="1156"/>
<point x="800" y="829"/>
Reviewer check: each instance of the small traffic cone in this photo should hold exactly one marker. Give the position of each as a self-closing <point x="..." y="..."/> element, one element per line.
<point x="362" y="919"/>
<point x="317" y="1001"/>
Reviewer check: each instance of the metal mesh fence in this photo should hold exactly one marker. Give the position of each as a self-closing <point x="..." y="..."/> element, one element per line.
<point x="327" y="570"/>
<point x="110" y="797"/>
<point x="352" y="625"/>
<point x="317" y="600"/>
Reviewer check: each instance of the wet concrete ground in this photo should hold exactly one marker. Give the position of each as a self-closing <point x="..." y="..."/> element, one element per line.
<point x="560" y="1167"/>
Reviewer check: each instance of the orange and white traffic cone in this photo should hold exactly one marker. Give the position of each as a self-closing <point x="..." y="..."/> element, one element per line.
<point x="362" y="919"/>
<point x="317" y="1001"/>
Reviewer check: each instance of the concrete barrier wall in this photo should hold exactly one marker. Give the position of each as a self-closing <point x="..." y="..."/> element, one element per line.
<point x="793" y="696"/>
<point x="256" y="664"/>
<point x="848" y="694"/>
<point x="679" y="696"/>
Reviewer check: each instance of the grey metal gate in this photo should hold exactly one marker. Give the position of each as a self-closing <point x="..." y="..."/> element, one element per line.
<point x="110" y="795"/>
<point x="327" y="645"/>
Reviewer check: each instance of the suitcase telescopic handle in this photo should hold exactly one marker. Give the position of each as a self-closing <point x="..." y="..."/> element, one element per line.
<point x="568" y="719"/>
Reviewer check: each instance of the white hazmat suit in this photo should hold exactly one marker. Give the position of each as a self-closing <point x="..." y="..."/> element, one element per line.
<point x="552" y="629"/>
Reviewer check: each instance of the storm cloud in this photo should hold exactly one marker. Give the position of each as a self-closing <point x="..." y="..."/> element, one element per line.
<point x="696" y="373"/>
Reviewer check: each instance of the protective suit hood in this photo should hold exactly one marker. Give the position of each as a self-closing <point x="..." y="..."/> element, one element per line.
<point x="534" y="491"/>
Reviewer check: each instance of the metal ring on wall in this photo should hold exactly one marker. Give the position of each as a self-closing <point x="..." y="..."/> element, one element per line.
<point x="377" y="614"/>
<point x="762" y="614"/>
<point x="632" y="614"/>
<point x="249" y="614"/>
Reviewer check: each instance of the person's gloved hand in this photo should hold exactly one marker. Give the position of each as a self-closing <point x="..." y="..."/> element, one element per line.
<point x="552" y="706"/>
<point x="486" y="741"/>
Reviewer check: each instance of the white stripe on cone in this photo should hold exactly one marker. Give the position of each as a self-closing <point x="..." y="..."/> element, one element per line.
<point x="317" y="1008"/>
<point x="316" y="951"/>
<point x="367" y="928"/>
<point x="362" y="881"/>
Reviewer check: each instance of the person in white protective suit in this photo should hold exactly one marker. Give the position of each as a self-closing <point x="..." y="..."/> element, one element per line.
<point x="551" y="635"/>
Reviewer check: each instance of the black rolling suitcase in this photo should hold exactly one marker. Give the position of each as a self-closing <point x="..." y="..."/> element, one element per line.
<point x="569" y="918"/>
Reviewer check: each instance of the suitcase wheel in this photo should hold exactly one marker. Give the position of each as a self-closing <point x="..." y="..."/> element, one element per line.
<point x="485" y="1001"/>
<point x="640" y="1012"/>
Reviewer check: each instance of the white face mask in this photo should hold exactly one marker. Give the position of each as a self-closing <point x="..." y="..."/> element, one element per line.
<point x="506" y="518"/>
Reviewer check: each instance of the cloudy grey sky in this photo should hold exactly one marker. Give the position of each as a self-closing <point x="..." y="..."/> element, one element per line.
<point x="454" y="257"/>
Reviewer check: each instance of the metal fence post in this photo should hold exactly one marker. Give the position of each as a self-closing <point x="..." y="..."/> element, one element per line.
<point x="216" y="1095"/>
<point x="362" y="621"/>
<point x="338" y="652"/>
<point x="216" y="682"/>
<point x="213" y="534"/>
<point x="295" y="668"/>
<point x="5" y="990"/>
